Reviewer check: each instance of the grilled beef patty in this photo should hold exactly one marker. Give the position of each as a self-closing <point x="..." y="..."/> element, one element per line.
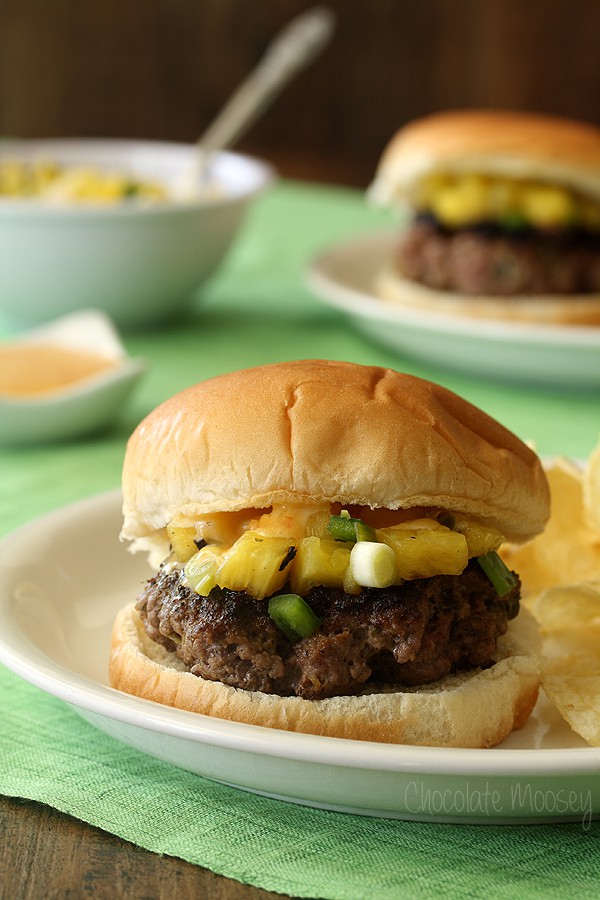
<point x="490" y="261"/>
<point x="410" y="634"/>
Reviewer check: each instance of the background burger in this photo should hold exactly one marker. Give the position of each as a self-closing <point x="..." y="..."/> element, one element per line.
<point x="502" y="216"/>
<point x="325" y="534"/>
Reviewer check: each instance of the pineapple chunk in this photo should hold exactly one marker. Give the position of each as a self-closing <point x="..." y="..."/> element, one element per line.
<point x="503" y="198"/>
<point x="423" y="549"/>
<point x="201" y="570"/>
<point x="316" y="524"/>
<point x="182" y="541"/>
<point x="459" y="200"/>
<point x="319" y="561"/>
<point x="463" y="202"/>
<point x="350" y="586"/>
<point x="548" y="206"/>
<point x="256" y="564"/>
<point x="480" y="539"/>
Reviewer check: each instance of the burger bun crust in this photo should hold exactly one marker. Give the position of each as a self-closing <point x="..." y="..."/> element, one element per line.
<point x="317" y="431"/>
<point x="501" y="143"/>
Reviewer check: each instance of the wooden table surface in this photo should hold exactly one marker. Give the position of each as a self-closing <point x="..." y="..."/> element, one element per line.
<point x="46" y="855"/>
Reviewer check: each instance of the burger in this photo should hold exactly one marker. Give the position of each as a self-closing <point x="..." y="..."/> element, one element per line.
<point x="324" y="537"/>
<point x="500" y="213"/>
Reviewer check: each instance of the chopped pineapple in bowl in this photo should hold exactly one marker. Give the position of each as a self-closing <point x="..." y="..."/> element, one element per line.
<point x="114" y="225"/>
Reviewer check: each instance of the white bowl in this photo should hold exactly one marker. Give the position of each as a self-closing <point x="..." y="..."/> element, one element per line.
<point x="137" y="261"/>
<point x="83" y="406"/>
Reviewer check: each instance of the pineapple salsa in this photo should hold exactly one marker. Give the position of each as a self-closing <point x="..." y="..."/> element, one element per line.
<point x="49" y="181"/>
<point x="301" y="547"/>
<point x="460" y="200"/>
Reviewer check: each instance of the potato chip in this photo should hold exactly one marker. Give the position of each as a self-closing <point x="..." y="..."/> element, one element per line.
<point x="575" y="606"/>
<point x="591" y="491"/>
<point x="567" y="551"/>
<point x="574" y="643"/>
<point x="574" y="665"/>
<point x="577" y="699"/>
<point x="560" y="573"/>
<point x="569" y="619"/>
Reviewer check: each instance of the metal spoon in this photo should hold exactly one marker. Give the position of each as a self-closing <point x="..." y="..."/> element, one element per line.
<point x="293" y="49"/>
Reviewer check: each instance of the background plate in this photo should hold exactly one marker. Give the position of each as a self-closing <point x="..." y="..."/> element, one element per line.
<point x="56" y="609"/>
<point x="551" y="355"/>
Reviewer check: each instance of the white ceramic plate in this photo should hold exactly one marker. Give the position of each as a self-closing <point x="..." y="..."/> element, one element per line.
<point x="56" y="610"/>
<point x="551" y="355"/>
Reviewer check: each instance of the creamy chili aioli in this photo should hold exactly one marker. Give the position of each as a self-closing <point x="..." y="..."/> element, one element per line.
<point x="42" y="368"/>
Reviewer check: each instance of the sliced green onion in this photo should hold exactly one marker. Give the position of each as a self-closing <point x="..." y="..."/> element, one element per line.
<point x="345" y="528"/>
<point x="373" y="564"/>
<point x="364" y="532"/>
<point x="200" y="572"/>
<point x="499" y="574"/>
<point x="342" y="528"/>
<point x="293" y="616"/>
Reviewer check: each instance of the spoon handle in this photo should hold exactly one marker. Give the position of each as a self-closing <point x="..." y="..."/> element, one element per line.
<point x="294" y="48"/>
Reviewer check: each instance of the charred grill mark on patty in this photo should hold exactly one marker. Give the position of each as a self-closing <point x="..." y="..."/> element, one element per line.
<point x="411" y="634"/>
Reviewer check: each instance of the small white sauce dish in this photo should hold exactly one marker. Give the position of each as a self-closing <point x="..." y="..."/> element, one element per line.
<point x="63" y="380"/>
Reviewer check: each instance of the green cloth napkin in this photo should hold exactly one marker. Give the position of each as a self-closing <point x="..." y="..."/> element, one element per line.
<point x="48" y="753"/>
<point x="258" y="310"/>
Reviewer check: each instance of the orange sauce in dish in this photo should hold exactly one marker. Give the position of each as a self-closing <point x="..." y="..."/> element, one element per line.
<point x="42" y="368"/>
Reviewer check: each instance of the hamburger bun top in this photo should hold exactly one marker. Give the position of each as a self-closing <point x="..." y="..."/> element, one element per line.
<point x="313" y="431"/>
<point x="507" y="144"/>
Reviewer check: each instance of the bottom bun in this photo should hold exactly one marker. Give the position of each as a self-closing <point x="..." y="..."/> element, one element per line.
<point x="473" y="709"/>
<point x="560" y="309"/>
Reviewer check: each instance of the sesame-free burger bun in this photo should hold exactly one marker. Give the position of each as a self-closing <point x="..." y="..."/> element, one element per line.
<point x="313" y="431"/>
<point x="549" y="277"/>
<point x="509" y="144"/>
